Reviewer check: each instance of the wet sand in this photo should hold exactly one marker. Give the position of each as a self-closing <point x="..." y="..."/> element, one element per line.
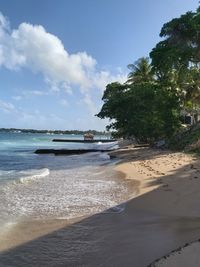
<point x="162" y="217"/>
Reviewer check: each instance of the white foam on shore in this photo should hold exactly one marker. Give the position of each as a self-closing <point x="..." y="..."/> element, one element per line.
<point x="71" y="187"/>
<point x="33" y="175"/>
<point x="7" y="227"/>
<point x="67" y="193"/>
<point x="15" y="177"/>
<point x="6" y="173"/>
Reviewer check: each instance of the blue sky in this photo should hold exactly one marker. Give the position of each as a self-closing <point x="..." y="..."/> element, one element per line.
<point x="56" y="57"/>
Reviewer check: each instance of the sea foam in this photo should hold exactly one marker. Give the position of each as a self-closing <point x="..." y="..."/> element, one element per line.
<point x="32" y="175"/>
<point x="23" y="176"/>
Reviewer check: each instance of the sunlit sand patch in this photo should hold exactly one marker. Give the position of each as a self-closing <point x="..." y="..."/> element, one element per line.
<point x="187" y="256"/>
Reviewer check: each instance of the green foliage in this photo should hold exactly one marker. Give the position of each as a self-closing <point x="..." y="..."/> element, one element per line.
<point x="180" y="46"/>
<point x="148" y="105"/>
<point x="176" y="59"/>
<point x="186" y="139"/>
<point x="192" y="86"/>
<point x="143" y="110"/>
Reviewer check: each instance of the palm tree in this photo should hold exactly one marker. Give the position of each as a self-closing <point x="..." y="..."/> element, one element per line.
<point x="141" y="71"/>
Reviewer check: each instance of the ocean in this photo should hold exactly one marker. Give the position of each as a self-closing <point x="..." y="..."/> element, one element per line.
<point x="42" y="187"/>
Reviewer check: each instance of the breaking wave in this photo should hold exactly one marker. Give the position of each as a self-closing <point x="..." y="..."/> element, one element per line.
<point x="23" y="176"/>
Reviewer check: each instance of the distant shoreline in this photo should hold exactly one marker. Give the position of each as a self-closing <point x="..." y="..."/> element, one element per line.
<point x="78" y="132"/>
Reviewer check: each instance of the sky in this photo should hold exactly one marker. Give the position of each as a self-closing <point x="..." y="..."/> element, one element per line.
<point x="56" y="56"/>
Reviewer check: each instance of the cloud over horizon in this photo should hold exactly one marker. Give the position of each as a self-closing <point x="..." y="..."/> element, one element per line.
<point x="31" y="47"/>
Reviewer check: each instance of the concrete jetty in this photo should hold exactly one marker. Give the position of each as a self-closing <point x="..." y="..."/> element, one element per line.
<point x="67" y="151"/>
<point x="84" y="141"/>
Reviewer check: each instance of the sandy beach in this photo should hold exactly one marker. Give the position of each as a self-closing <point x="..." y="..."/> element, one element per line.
<point x="162" y="217"/>
<point x="167" y="182"/>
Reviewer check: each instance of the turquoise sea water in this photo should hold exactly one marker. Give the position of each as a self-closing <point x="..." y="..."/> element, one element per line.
<point x="46" y="186"/>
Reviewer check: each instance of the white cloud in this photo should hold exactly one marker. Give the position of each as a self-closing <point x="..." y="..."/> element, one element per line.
<point x="87" y="100"/>
<point x="34" y="93"/>
<point x="30" y="93"/>
<point x="64" y="102"/>
<point x="102" y="78"/>
<point x="31" y="46"/>
<point x="17" y="97"/>
<point x="6" y="107"/>
<point x="67" y="89"/>
<point x="4" y="22"/>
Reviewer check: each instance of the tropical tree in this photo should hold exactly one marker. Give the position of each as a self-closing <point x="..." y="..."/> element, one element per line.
<point x="176" y="59"/>
<point x="140" y="71"/>
<point x="145" y="111"/>
<point x="148" y="105"/>
<point x="180" y="47"/>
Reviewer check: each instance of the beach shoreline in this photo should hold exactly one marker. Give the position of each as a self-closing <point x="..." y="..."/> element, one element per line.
<point x="163" y="216"/>
<point x="26" y="229"/>
<point x="155" y="171"/>
<point x="153" y="174"/>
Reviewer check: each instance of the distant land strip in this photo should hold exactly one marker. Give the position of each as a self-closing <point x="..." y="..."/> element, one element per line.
<point x="75" y="132"/>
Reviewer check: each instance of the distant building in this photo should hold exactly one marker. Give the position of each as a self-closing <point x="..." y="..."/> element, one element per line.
<point x="88" y="136"/>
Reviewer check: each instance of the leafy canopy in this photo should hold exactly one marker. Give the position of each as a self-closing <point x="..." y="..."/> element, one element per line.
<point x="144" y="111"/>
<point x="148" y="105"/>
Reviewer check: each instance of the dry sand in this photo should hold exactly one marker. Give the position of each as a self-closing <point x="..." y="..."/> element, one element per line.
<point x="164" y="216"/>
<point x="169" y="185"/>
<point x="186" y="256"/>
